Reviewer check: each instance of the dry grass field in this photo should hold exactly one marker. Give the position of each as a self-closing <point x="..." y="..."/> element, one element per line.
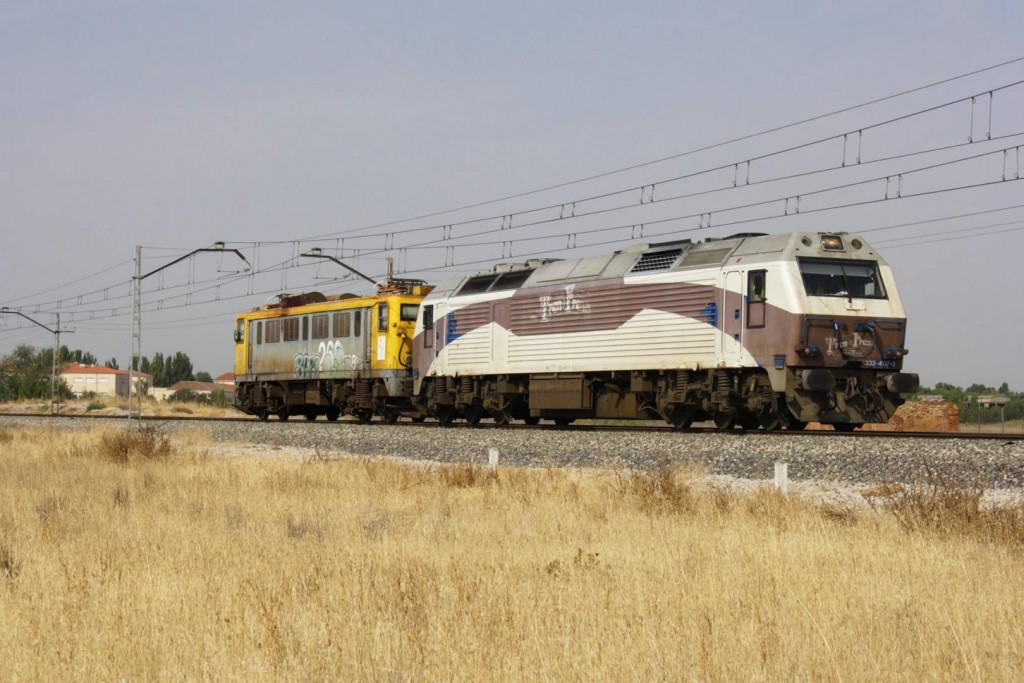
<point x="129" y="557"/>
<point x="107" y="405"/>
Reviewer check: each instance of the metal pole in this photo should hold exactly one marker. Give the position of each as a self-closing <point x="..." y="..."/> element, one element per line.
<point x="136" y="341"/>
<point x="53" y="370"/>
<point x="135" y="355"/>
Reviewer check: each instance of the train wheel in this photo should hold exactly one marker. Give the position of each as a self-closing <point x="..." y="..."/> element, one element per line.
<point x="531" y="420"/>
<point x="282" y="415"/>
<point x="725" y="421"/>
<point x="333" y="413"/>
<point x="563" y="421"/>
<point x="472" y="415"/>
<point x="681" y="417"/>
<point x="390" y="416"/>
<point x="748" y="421"/>
<point x="445" y="415"/>
<point x="310" y="414"/>
<point x="845" y="426"/>
<point x="262" y="415"/>
<point x="769" y="420"/>
<point x="364" y="415"/>
<point x="419" y="419"/>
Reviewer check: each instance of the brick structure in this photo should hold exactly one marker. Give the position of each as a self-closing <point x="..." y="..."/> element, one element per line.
<point x="928" y="414"/>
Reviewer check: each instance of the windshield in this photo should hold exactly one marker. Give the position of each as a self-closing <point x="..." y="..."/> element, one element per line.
<point x="850" y="279"/>
<point x="408" y="312"/>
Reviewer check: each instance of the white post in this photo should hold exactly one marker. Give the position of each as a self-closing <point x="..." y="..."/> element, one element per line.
<point x="492" y="457"/>
<point x="782" y="477"/>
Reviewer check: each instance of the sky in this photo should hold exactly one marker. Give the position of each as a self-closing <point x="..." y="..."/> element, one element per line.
<point x="278" y="127"/>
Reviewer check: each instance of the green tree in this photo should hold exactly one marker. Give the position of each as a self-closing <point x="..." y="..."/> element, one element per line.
<point x="112" y="364"/>
<point x="158" y="370"/>
<point x="203" y="376"/>
<point x="179" y="368"/>
<point x="26" y="373"/>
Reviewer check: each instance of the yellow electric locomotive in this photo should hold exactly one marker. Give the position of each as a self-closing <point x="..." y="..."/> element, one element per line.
<point x="309" y="354"/>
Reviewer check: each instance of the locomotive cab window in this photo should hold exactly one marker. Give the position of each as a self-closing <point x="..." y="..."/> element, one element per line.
<point x="849" y="279"/>
<point x="477" y="284"/>
<point x="756" y="297"/>
<point x="407" y="313"/>
<point x="428" y="326"/>
<point x="240" y="331"/>
<point x="382" y="317"/>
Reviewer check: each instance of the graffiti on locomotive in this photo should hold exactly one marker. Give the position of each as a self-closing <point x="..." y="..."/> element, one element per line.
<point x="330" y="356"/>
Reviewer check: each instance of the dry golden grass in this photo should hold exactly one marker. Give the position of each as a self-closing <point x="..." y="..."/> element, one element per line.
<point x="107" y="405"/>
<point x="130" y="557"/>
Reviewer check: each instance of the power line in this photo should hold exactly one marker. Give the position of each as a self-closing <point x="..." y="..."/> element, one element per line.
<point x="708" y="214"/>
<point x="679" y="155"/>
<point x="745" y="162"/>
<point x="951" y="239"/>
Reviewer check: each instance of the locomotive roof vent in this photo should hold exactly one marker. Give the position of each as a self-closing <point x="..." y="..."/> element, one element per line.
<point x="655" y="261"/>
<point x="529" y="265"/>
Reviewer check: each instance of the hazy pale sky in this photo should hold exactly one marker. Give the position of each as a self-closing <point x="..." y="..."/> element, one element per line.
<point x="174" y="124"/>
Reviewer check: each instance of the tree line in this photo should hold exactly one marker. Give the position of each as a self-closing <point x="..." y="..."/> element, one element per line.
<point x="25" y="372"/>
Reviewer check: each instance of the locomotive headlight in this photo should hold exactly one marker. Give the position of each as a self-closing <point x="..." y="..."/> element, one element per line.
<point x="831" y="242"/>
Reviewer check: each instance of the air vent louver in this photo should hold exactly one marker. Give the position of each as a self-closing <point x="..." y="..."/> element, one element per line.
<point x="654" y="261"/>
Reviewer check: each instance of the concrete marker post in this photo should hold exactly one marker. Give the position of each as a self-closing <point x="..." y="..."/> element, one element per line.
<point x="782" y="477"/>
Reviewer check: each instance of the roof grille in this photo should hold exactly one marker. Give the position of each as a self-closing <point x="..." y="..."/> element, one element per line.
<point x="656" y="260"/>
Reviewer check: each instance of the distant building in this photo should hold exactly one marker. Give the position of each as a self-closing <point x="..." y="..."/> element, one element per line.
<point x="100" y="380"/>
<point x="203" y="389"/>
<point x="227" y="379"/>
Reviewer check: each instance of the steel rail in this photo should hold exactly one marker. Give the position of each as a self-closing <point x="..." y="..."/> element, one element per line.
<point x="811" y="433"/>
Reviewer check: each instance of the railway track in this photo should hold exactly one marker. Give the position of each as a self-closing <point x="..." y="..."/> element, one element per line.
<point x="645" y="428"/>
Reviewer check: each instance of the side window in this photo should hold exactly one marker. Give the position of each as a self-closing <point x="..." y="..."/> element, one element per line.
<point x="259" y="332"/>
<point x="320" y="326"/>
<point x="757" y="294"/>
<point x="341" y="325"/>
<point x="755" y="285"/>
<point x="291" y="329"/>
<point x="382" y="317"/>
<point x="273" y="331"/>
<point x="305" y="328"/>
<point x="357" y="322"/>
<point x="240" y="331"/>
<point x="428" y="326"/>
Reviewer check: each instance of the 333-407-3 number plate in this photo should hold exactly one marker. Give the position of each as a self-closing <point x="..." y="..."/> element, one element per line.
<point x="887" y="364"/>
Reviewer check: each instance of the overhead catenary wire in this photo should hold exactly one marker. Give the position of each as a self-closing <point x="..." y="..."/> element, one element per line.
<point x="289" y="263"/>
<point x="689" y="152"/>
<point x="646" y="163"/>
<point x="634" y="188"/>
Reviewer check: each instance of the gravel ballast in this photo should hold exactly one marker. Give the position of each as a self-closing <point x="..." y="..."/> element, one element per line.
<point x="993" y="462"/>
